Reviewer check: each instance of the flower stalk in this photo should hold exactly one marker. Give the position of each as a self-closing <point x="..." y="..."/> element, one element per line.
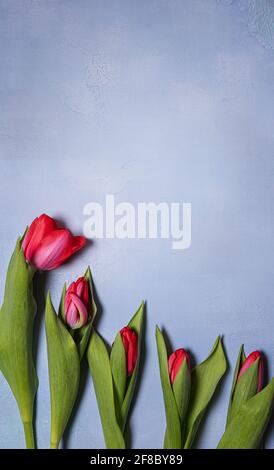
<point x="114" y="377"/>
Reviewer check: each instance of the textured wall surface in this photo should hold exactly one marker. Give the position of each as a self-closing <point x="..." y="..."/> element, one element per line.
<point x="153" y="100"/>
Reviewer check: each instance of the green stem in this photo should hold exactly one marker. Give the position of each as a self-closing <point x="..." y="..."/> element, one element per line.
<point x="54" y="445"/>
<point x="29" y="437"/>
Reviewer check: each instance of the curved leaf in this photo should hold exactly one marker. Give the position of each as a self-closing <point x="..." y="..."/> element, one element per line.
<point x="240" y="360"/>
<point x="246" y="388"/>
<point x="181" y="390"/>
<point x="99" y="365"/>
<point x="16" y="333"/>
<point x="173" y="425"/>
<point x="64" y="372"/>
<point x="246" y="429"/>
<point x="61" y="311"/>
<point x="118" y="366"/>
<point x="204" y="380"/>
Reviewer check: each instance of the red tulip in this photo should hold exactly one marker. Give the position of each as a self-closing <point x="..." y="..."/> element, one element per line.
<point x="46" y="246"/>
<point x="175" y="361"/>
<point x="77" y="303"/>
<point x="248" y="362"/>
<point x="130" y="340"/>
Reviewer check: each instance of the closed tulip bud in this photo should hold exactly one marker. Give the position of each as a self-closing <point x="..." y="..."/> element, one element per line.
<point x="247" y="382"/>
<point x="250" y="405"/>
<point x="175" y="361"/>
<point x="253" y="357"/>
<point x="130" y="341"/>
<point x="77" y="303"/>
<point x="46" y="246"/>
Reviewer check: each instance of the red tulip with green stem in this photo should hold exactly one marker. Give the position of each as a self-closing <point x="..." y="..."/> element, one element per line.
<point x="44" y="246"/>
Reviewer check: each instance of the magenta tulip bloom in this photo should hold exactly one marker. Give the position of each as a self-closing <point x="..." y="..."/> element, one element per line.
<point x="175" y="361"/>
<point x="46" y="246"/>
<point x="77" y="303"/>
<point x="248" y="362"/>
<point x="130" y="341"/>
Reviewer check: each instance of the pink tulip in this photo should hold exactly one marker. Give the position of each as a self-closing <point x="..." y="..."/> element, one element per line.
<point x="175" y="361"/>
<point x="130" y="341"/>
<point x="248" y="362"/>
<point x="77" y="303"/>
<point x="46" y="246"/>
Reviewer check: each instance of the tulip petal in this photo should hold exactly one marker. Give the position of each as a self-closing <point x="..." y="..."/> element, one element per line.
<point x="29" y="234"/>
<point x="71" y="288"/>
<point x="72" y="316"/>
<point x="78" y="242"/>
<point x="92" y="310"/>
<point x="251" y="358"/>
<point x="171" y="361"/>
<point x="53" y="250"/>
<point x="82" y="313"/>
<point x="175" y="361"/>
<point x="46" y="247"/>
<point x="80" y="286"/>
<point x="74" y="247"/>
<point x="39" y="228"/>
<point x="132" y="355"/>
<point x="130" y="341"/>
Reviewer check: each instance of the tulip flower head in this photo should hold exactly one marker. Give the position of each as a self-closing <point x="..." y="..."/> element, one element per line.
<point x="77" y="304"/>
<point x="254" y="356"/>
<point x="175" y="361"/>
<point x="130" y="341"/>
<point x="46" y="246"/>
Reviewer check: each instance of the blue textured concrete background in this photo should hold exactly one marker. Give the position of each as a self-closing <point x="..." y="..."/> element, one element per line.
<point x="151" y="101"/>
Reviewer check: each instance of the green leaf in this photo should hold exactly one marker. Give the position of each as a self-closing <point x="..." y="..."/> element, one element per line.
<point x="204" y="380"/>
<point x="16" y="333"/>
<point x="245" y="388"/>
<point x="64" y="372"/>
<point x="181" y="391"/>
<point x="99" y="365"/>
<point x="118" y="366"/>
<point x="173" y="425"/>
<point x="246" y="429"/>
<point x="61" y="311"/>
<point x="240" y="360"/>
<point x="136" y="324"/>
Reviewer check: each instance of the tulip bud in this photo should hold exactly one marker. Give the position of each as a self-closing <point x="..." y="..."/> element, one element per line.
<point x="250" y="407"/>
<point x="253" y="357"/>
<point x="247" y="382"/>
<point x="130" y="341"/>
<point x="77" y="303"/>
<point x="46" y="247"/>
<point x="175" y="361"/>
